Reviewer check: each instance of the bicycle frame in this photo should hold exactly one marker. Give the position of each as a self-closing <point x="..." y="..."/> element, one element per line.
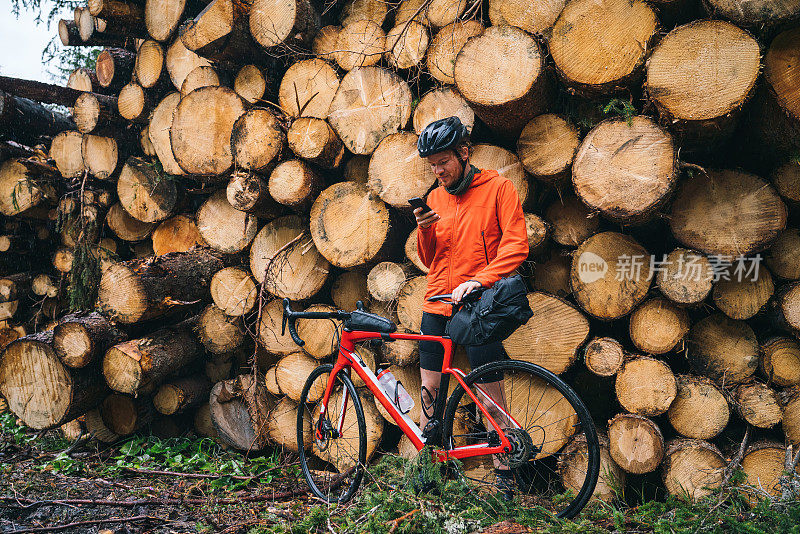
<point x="349" y="359"/>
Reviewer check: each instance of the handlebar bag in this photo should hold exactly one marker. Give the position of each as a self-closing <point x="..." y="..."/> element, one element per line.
<point x="501" y="309"/>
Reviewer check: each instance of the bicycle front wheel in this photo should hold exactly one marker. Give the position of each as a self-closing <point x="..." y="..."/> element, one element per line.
<point x="332" y="446"/>
<point x="555" y="456"/>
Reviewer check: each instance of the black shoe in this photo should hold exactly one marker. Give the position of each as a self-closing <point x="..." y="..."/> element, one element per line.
<point x="505" y="484"/>
<point x="421" y="484"/>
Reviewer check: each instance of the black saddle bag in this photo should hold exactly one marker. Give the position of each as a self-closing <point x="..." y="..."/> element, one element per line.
<point x="501" y="309"/>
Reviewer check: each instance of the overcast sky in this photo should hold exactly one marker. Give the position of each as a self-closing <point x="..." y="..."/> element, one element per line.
<point x="22" y="42"/>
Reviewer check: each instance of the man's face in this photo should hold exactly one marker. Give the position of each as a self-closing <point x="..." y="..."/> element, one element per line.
<point x="446" y="166"/>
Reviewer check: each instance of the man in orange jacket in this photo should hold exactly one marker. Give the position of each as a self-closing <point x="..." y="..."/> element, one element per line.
<point x="474" y="235"/>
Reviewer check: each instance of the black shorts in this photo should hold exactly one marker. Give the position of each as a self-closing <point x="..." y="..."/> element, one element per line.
<point x="431" y="353"/>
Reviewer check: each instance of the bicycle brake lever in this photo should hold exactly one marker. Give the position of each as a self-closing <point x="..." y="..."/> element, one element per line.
<point x="285" y="319"/>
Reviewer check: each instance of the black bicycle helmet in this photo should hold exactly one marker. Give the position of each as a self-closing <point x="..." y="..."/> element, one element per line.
<point x="440" y="135"/>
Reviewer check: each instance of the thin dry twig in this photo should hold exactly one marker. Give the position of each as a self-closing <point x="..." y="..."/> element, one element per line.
<point x="396" y="522"/>
<point x="64" y="526"/>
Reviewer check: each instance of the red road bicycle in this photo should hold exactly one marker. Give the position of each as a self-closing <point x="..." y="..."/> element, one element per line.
<point x="541" y="430"/>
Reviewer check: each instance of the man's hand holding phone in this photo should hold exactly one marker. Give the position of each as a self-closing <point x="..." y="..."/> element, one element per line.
<point x="424" y="214"/>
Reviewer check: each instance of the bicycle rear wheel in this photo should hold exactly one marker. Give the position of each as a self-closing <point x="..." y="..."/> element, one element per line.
<point x="555" y="457"/>
<point x="332" y="461"/>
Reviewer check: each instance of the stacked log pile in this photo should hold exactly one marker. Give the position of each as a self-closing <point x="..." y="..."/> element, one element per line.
<point x="224" y="155"/>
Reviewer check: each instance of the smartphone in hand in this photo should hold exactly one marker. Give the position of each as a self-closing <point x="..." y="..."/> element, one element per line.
<point x="417" y="202"/>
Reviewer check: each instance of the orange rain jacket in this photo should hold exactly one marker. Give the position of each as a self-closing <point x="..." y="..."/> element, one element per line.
<point x="480" y="235"/>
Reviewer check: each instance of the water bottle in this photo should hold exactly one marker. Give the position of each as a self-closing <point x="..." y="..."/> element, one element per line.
<point x="395" y="391"/>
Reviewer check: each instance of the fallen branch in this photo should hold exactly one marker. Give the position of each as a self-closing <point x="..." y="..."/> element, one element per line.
<point x="396" y="522"/>
<point x="199" y="475"/>
<point x="82" y="523"/>
<point x="156" y="502"/>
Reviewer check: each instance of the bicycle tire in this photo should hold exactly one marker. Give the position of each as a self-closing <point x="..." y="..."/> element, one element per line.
<point x="319" y="463"/>
<point x="584" y="429"/>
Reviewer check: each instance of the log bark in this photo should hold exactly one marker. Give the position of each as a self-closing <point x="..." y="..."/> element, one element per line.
<point x="508" y="106"/>
<point x="201" y="143"/>
<point x="692" y="468"/>
<point x="159" y="133"/>
<point x="761" y="16"/>
<point x="366" y="216"/>
<point x="80" y="338"/>
<point x="791" y="416"/>
<point x="779" y="360"/>
<point x="100" y="155"/>
<point x="723" y="349"/>
<point x="240" y="408"/>
<point x="234" y="291"/>
<point x="25" y="121"/>
<point x="39" y="389"/>
<point x="758" y="404"/>
<point x="223" y="227"/>
<point x="359" y="44"/>
<point x="145" y="193"/>
<point x="645" y="386"/>
<point x="445" y="47"/>
<point x="370" y="103"/>
<point x="556" y="347"/>
<point x="658" y="325"/>
<point x="114" y="68"/>
<point x="181" y="394"/>
<point x="315" y="141"/>
<point x="176" y="234"/>
<point x="635" y="443"/>
<point x="626" y="171"/>
<point x="440" y="104"/>
<point x="219" y="333"/>
<point x="604" y="356"/>
<point x="687" y="277"/>
<point x="69" y="35"/>
<point x="571" y="221"/>
<point x="702" y="115"/>
<point x="308" y="88"/>
<point x="285" y="259"/>
<point x="594" y="275"/>
<point x="141" y="289"/>
<point x="257" y="140"/>
<point x="138" y="365"/>
<point x="700" y="410"/>
<point x="290" y="23"/>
